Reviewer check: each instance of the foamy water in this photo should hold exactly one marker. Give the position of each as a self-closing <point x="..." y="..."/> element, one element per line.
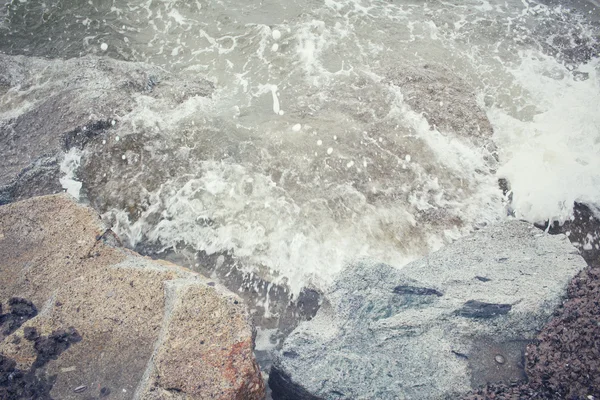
<point x="338" y="129"/>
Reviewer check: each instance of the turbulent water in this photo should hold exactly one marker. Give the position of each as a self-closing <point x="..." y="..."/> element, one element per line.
<point x="336" y="129"/>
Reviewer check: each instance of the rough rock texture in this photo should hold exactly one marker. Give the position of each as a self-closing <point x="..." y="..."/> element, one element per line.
<point x="425" y="89"/>
<point x="48" y="107"/>
<point x="144" y="329"/>
<point x="564" y="360"/>
<point x="435" y="329"/>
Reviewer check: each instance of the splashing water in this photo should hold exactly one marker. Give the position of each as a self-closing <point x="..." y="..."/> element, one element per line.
<point x="338" y="129"/>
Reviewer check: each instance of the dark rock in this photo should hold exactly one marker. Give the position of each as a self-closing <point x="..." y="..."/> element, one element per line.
<point x="21" y="310"/>
<point x="80" y="136"/>
<point x="308" y="303"/>
<point x="34" y="383"/>
<point x="480" y="309"/>
<point x="30" y="333"/>
<point x="284" y="388"/>
<point x="416" y="291"/>
<point x="39" y="178"/>
<point x="50" y="347"/>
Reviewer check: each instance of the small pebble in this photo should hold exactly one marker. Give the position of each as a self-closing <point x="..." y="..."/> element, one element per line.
<point x="80" y="389"/>
<point x="499" y="359"/>
<point x="103" y="47"/>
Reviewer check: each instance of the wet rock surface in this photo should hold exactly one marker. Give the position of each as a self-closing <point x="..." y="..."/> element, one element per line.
<point x="51" y="106"/>
<point x="564" y="360"/>
<point x="425" y="89"/>
<point x="432" y="329"/>
<point x="83" y="318"/>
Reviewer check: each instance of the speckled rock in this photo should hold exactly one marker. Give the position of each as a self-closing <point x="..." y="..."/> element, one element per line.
<point x="435" y="329"/>
<point x="52" y="106"/>
<point x="110" y="322"/>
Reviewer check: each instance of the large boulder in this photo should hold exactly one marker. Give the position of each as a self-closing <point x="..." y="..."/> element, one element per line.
<point x="48" y="107"/>
<point x="82" y="318"/>
<point x="436" y="328"/>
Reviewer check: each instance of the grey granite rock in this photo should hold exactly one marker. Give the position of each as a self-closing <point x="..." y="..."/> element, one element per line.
<point x="50" y="106"/>
<point x="433" y="329"/>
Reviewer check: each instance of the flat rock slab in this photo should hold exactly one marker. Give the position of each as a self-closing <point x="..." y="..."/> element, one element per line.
<point x="435" y="329"/>
<point x="81" y="319"/>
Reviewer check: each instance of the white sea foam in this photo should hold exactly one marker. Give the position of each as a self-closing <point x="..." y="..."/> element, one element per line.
<point x="68" y="167"/>
<point x="552" y="159"/>
<point x="350" y="169"/>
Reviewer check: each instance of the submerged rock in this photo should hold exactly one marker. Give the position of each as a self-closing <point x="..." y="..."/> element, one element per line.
<point x="433" y="329"/>
<point x="51" y="106"/>
<point x="105" y="321"/>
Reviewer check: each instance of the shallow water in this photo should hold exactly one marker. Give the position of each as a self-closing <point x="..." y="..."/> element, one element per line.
<point x="337" y="129"/>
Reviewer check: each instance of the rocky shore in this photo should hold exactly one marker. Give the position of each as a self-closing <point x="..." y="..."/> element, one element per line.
<point x="509" y="312"/>
<point x="83" y="317"/>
